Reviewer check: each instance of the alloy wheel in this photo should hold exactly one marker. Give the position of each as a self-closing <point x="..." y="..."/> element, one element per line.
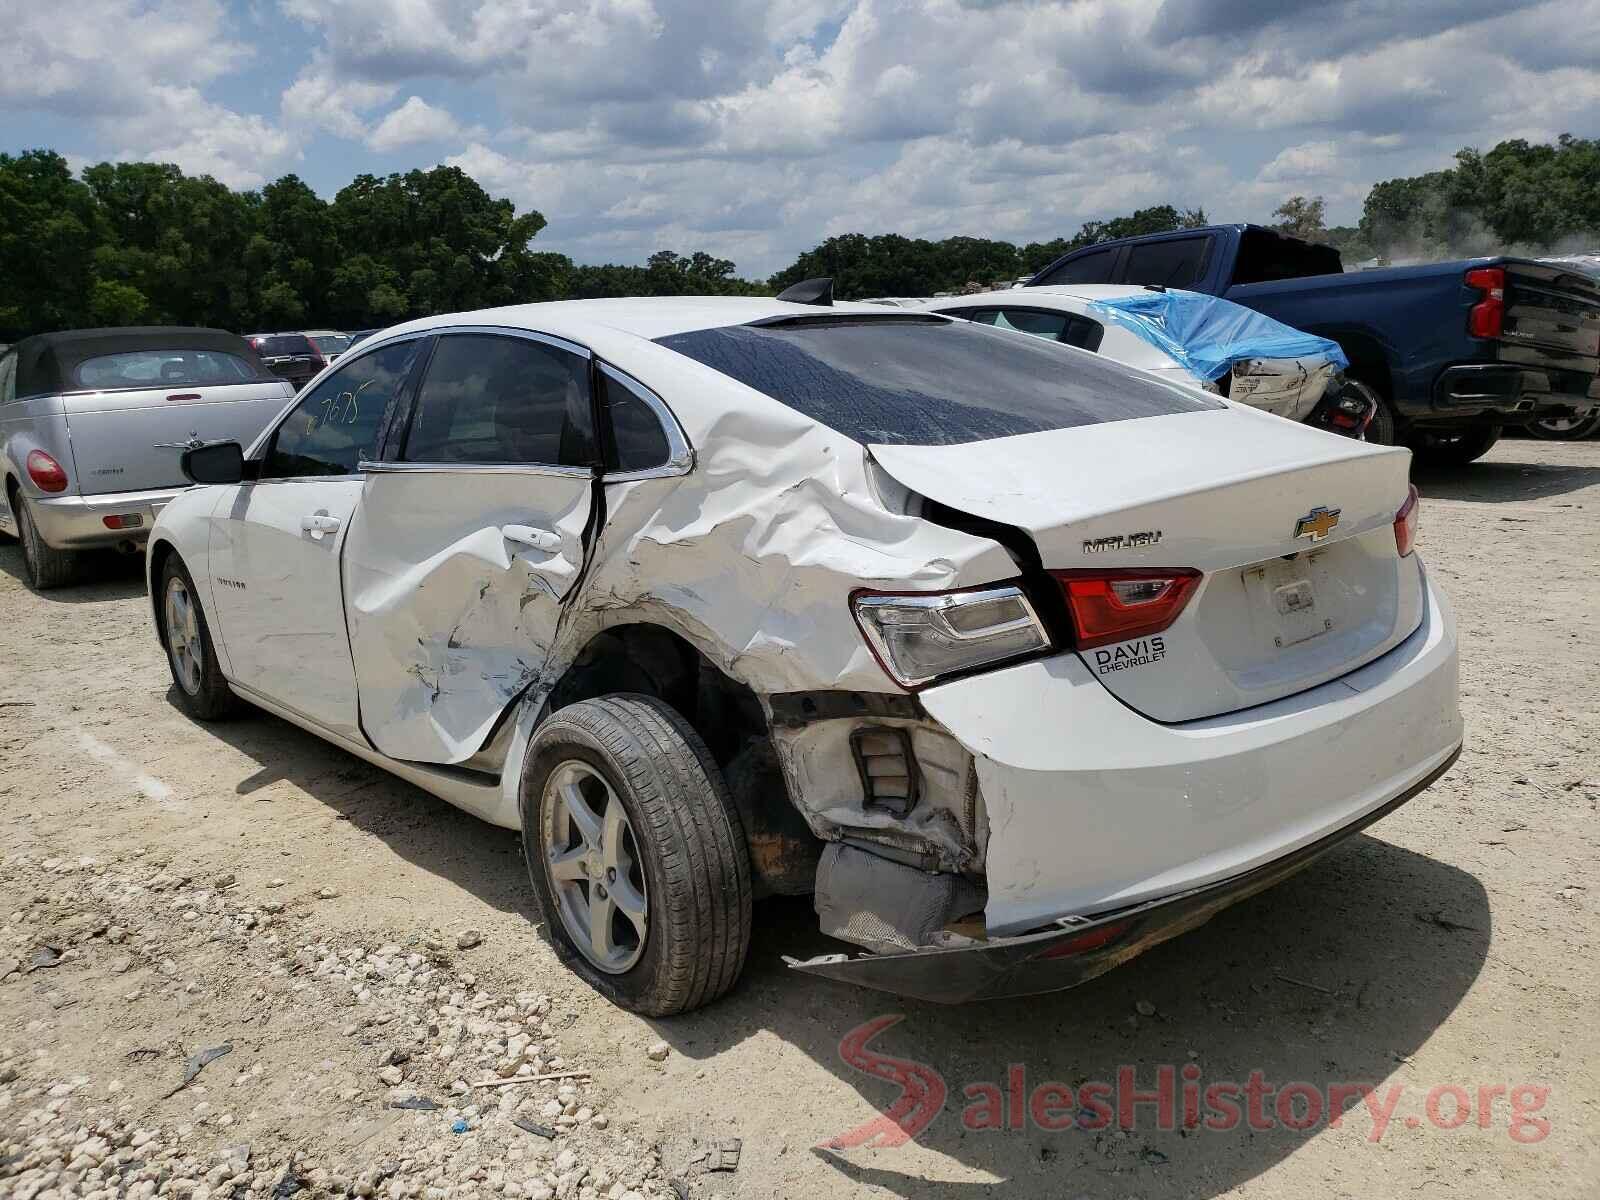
<point x="184" y="644"/>
<point x="591" y="859"/>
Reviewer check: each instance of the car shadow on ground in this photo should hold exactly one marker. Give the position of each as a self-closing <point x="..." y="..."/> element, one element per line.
<point x="1336" y="976"/>
<point x="1501" y="482"/>
<point x="438" y="838"/>
<point x="102" y="575"/>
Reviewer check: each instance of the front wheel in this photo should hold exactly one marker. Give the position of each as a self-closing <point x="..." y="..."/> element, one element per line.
<point x="636" y="854"/>
<point x="1454" y="448"/>
<point x="202" y="691"/>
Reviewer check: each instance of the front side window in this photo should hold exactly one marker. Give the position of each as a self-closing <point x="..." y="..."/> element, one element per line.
<point x="163" y="368"/>
<point x="1093" y="267"/>
<point x="925" y="381"/>
<point x="490" y="398"/>
<point x="1174" y="263"/>
<point x="8" y="378"/>
<point x="336" y="424"/>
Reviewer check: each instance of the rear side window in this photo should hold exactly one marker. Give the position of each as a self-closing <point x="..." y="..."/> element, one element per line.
<point x="493" y="399"/>
<point x="1175" y="263"/>
<point x="637" y="442"/>
<point x="336" y="424"/>
<point x="929" y="382"/>
<point x="8" y="378"/>
<point x="163" y="368"/>
<point x="1093" y="267"/>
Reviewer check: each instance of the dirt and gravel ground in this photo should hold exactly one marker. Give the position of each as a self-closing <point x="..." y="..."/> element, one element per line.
<point x="168" y="889"/>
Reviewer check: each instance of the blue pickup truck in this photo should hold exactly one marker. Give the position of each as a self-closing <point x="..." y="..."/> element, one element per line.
<point x="1453" y="351"/>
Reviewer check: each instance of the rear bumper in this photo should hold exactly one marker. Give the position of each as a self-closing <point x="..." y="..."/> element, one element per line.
<point x="1074" y="951"/>
<point x="1505" y="393"/>
<point x="78" y="522"/>
<point x="1098" y="815"/>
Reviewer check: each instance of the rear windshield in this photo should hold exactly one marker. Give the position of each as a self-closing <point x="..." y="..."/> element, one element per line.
<point x="164" y="368"/>
<point x="285" y="343"/>
<point x="332" y="343"/>
<point x="919" y="381"/>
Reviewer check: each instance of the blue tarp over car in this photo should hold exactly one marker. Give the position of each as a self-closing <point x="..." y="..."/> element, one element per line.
<point x="1208" y="334"/>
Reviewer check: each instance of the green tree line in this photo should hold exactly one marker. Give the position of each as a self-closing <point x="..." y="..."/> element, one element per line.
<point x="132" y="243"/>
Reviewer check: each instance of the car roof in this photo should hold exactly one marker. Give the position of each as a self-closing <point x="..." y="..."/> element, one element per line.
<point x="648" y="317"/>
<point x="1039" y="297"/>
<point x="1116" y="342"/>
<point x="46" y="361"/>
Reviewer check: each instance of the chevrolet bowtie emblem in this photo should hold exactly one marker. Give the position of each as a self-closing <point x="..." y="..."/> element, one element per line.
<point x="1317" y="524"/>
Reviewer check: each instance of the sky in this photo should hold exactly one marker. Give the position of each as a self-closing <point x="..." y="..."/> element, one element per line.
<point x="753" y="129"/>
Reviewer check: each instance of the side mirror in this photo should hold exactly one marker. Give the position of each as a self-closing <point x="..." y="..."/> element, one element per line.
<point x="221" y="462"/>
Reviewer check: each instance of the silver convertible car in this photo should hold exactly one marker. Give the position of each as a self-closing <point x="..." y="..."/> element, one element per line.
<point x="1016" y="659"/>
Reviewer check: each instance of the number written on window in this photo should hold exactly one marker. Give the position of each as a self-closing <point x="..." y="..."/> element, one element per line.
<point x="337" y="423"/>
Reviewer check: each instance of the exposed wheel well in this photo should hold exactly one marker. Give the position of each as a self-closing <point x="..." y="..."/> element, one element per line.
<point x="159" y="553"/>
<point x="657" y="662"/>
<point x="1368" y="362"/>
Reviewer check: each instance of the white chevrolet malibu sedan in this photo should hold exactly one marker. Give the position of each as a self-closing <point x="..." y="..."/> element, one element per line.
<point x="1019" y="661"/>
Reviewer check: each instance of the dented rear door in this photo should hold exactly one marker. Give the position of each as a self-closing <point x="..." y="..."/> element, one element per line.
<point x="463" y="550"/>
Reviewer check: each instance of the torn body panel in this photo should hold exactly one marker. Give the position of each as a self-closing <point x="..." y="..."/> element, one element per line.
<point x="751" y="560"/>
<point x="452" y="608"/>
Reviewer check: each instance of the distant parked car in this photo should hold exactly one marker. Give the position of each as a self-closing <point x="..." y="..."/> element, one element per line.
<point x="293" y="356"/>
<point x="1187" y="338"/>
<point x="329" y="342"/>
<point x="92" y="423"/>
<point x="361" y="335"/>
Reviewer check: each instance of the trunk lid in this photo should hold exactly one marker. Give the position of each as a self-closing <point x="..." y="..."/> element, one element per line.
<point x="1223" y="492"/>
<point x="130" y="440"/>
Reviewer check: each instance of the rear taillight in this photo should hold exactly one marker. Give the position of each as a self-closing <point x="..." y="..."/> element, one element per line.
<point x="924" y="636"/>
<point x="1488" y="314"/>
<point x="1405" y="523"/>
<point x="1114" y="606"/>
<point x="46" y="472"/>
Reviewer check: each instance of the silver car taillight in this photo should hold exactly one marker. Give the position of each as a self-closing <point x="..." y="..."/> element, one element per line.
<point x="922" y="637"/>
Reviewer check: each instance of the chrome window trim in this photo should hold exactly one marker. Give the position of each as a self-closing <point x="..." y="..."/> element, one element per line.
<point x="531" y="335"/>
<point x="468" y="468"/>
<point x="680" y="455"/>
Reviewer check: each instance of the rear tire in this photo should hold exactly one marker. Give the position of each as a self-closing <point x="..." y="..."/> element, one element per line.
<point x="45" y="566"/>
<point x="1565" y="429"/>
<point x="1454" y="449"/>
<point x="674" y="927"/>
<point x="202" y="691"/>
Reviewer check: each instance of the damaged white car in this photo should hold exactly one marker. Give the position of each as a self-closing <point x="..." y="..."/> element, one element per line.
<point x="1019" y="660"/>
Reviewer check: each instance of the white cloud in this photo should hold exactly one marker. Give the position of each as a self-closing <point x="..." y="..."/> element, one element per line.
<point x="181" y="126"/>
<point x="109" y="64"/>
<point x="319" y="99"/>
<point x="413" y="123"/>
<point x="754" y="128"/>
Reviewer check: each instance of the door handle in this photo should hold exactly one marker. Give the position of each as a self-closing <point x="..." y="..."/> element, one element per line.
<point x="318" y="524"/>
<point x="526" y="535"/>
